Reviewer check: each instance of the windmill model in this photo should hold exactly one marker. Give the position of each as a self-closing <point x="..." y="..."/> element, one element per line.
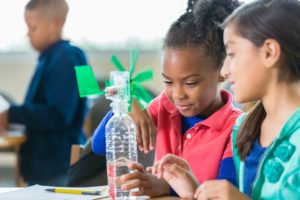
<point x="88" y="85"/>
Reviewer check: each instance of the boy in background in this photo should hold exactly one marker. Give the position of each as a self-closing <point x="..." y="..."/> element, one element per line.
<point x="52" y="111"/>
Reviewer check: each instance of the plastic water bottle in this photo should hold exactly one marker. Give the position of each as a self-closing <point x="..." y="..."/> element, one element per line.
<point x="121" y="147"/>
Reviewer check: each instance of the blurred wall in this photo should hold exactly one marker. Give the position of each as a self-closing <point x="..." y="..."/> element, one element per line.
<point x="16" y="69"/>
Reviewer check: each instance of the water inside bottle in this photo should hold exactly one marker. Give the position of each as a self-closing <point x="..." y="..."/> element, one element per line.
<point x="114" y="171"/>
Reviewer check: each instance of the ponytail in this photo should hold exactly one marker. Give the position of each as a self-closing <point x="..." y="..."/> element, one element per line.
<point x="250" y="130"/>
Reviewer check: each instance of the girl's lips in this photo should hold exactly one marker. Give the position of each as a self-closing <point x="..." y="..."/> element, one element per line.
<point x="183" y="107"/>
<point x="232" y="82"/>
<point x="232" y="86"/>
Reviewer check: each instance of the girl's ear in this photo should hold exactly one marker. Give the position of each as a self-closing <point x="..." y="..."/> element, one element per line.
<point x="271" y="52"/>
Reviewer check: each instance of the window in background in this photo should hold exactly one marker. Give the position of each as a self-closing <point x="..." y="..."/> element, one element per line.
<point x="98" y="24"/>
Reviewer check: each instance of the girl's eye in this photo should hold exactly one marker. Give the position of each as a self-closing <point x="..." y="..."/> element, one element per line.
<point x="167" y="82"/>
<point x="230" y="54"/>
<point x="191" y="83"/>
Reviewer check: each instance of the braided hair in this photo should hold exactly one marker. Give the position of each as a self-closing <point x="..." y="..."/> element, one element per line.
<point x="199" y="27"/>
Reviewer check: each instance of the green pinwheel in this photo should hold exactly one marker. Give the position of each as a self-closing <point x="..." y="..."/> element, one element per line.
<point x="87" y="82"/>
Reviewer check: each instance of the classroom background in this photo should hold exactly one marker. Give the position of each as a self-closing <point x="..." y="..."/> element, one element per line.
<point x="101" y="28"/>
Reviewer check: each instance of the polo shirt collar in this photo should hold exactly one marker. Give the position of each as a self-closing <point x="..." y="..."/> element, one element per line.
<point x="217" y="119"/>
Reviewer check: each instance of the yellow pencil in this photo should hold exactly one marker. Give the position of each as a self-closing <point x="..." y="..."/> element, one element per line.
<point x="73" y="191"/>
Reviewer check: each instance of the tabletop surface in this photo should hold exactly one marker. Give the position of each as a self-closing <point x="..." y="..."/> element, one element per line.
<point x="10" y="189"/>
<point x="12" y="138"/>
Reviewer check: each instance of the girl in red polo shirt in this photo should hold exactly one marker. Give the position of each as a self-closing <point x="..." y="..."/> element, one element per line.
<point x="194" y="118"/>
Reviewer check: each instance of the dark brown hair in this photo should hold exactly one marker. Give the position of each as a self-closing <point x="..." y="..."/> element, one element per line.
<point x="51" y="8"/>
<point x="199" y="27"/>
<point x="258" y="21"/>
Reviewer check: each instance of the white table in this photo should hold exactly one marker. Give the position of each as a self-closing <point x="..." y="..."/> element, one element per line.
<point x="10" y="189"/>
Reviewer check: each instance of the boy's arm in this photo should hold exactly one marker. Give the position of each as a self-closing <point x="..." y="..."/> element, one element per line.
<point x="61" y="98"/>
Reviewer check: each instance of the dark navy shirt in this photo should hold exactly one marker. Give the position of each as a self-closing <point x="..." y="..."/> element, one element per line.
<point x="251" y="164"/>
<point x="52" y="112"/>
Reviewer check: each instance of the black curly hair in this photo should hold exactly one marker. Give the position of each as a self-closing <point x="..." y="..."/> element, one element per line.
<point x="199" y="27"/>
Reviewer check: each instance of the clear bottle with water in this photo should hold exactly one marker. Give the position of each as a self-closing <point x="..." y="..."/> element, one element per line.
<point x="121" y="147"/>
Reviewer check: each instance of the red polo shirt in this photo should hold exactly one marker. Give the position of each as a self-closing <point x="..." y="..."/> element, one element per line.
<point x="204" y="145"/>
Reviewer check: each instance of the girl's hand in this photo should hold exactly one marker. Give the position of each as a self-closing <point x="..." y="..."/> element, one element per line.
<point x="180" y="179"/>
<point x="146" y="183"/>
<point x="157" y="168"/>
<point x="146" y="130"/>
<point x="176" y="172"/>
<point x="219" y="190"/>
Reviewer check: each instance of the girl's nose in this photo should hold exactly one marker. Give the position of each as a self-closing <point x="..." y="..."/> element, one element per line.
<point x="225" y="71"/>
<point x="178" y="92"/>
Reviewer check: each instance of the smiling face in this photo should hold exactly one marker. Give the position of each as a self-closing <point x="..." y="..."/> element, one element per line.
<point x="191" y="81"/>
<point x="244" y="67"/>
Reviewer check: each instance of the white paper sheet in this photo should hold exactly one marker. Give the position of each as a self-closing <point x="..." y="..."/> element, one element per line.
<point x="37" y="192"/>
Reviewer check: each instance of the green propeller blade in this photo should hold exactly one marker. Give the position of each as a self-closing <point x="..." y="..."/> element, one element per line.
<point x="142" y="95"/>
<point x="133" y="58"/>
<point x="86" y="81"/>
<point x="117" y="63"/>
<point x="143" y="76"/>
<point x="136" y="90"/>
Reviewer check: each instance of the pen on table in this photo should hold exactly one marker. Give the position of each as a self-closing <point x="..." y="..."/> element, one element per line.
<point x="73" y="191"/>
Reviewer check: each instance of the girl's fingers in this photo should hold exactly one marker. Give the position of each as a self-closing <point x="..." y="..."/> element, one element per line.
<point x="168" y="175"/>
<point x="198" y="191"/>
<point x="142" y="191"/>
<point x="154" y="168"/>
<point x="139" y="137"/>
<point x="158" y="167"/>
<point x="149" y="169"/>
<point x="211" y="190"/>
<point x="130" y="176"/>
<point x="145" y="136"/>
<point x="133" y="184"/>
<point x="165" y="160"/>
<point x="152" y="134"/>
<point x="173" y="170"/>
<point x="136" y="166"/>
<point x="135" y="113"/>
